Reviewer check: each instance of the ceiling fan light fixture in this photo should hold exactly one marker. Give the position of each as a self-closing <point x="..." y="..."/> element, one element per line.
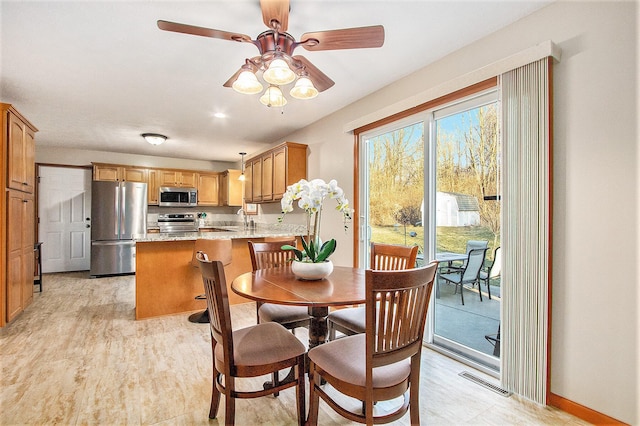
<point x="154" y="138"/>
<point x="247" y="83"/>
<point x="273" y="97"/>
<point x="279" y="73"/>
<point x="304" y="89"/>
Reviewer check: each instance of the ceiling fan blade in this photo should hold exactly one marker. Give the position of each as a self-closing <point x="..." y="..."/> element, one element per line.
<point x="348" y="38"/>
<point x="201" y="31"/>
<point x="319" y="79"/>
<point x="275" y="10"/>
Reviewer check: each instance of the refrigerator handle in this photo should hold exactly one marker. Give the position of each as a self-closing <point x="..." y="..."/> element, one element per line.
<point x="123" y="211"/>
<point x="116" y="207"/>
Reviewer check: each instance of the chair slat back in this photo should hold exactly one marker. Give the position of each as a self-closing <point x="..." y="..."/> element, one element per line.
<point x="474" y="265"/>
<point x="218" y="249"/>
<point x="215" y="287"/>
<point x="396" y="312"/>
<point x="391" y="257"/>
<point x="270" y="254"/>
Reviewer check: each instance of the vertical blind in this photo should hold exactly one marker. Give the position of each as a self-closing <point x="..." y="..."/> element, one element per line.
<point x="526" y="197"/>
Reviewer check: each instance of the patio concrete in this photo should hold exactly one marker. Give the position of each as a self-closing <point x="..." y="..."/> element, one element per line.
<point x="468" y="324"/>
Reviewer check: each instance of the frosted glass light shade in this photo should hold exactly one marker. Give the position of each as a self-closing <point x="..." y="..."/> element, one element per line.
<point x="247" y="83"/>
<point x="273" y="97"/>
<point x="279" y="73"/>
<point x="154" y="138"/>
<point x="304" y="89"/>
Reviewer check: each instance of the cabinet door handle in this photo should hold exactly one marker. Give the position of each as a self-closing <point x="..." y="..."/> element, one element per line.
<point x="25" y="183"/>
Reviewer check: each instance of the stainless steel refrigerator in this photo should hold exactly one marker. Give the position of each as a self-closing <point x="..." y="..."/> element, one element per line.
<point x="118" y="217"/>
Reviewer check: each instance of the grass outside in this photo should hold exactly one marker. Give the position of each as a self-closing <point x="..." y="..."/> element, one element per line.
<point x="448" y="238"/>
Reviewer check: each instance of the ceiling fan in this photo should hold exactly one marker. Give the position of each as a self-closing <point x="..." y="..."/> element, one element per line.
<point x="276" y="60"/>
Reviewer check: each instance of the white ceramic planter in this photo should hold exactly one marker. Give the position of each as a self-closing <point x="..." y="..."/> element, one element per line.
<point x="311" y="271"/>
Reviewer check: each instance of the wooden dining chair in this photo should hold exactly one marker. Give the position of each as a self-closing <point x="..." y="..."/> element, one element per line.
<point x="219" y="249"/>
<point x="384" y="362"/>
<point x="269" y="254"/>
<point x="248" y="352"/>
<point x="385" y="257"/>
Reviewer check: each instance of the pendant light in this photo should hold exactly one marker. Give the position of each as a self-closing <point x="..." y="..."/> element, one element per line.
<point x="242" y="177"/>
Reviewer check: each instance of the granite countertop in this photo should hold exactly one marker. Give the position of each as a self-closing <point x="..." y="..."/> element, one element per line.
<point x="225" y="232"/>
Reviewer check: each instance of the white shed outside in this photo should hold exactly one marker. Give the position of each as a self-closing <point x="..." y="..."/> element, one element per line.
<point x="454" y="209"/>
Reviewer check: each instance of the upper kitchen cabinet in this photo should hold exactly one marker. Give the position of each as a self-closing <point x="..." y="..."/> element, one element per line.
<point x="153" y="192"/>
<point x="119" y="173"/>
<point x="231" y="188"/>
<point x="19" y="139"/>
<point x="208" y="189"/>
<point x="274" y="170"/>
<point x="256" y="181"/>
<point x="248" y="182"/>
<point x="183" y="178"/>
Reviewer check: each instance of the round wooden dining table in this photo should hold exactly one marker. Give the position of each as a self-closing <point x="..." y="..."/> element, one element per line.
<point x="344" y="286"/>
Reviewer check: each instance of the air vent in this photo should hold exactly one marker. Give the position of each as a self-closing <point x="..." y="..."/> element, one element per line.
<point x="485" y="384"/>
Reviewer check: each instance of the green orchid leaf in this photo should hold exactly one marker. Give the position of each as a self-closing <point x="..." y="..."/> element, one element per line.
<point x="327" y="250"/>
<point x="297" y="252"/>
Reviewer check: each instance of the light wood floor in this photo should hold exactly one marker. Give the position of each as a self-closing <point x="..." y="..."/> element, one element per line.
<point x="76" y="356"/>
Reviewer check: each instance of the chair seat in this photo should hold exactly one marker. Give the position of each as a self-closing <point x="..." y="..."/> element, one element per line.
<point x="344" y="359"/>
<point x="483" y="275"/>
<point x="351" y="318"/>
<point x="454" y="277"/>
<point x="262" y="344"/>
<point x="283" y="314"/>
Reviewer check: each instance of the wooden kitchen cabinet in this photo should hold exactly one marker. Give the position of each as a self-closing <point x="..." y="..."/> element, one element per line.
<point x="153" y="192"/>
<point x="20" y="145"/>
<point x="17" y="213"/>
<point x="208" y="189"/>
<point x="181" y="178"/>
<point x="274" y="170"/>
<point x="267" y="177"/>
<point x="231" y="189"/>
<point x="256" y="181"/>
<point x="248" y="182"/>
<point x="119" y="173"/>
<point x="20" y="258"/>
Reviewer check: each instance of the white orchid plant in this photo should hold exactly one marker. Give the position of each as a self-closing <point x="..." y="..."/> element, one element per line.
<point x="310" y="196"/>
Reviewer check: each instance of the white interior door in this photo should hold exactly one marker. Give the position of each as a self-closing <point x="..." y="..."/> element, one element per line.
<point x="64" y="210"/>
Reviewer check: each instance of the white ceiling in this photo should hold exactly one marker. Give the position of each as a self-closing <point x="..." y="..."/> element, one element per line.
<point x="96" y="75"/>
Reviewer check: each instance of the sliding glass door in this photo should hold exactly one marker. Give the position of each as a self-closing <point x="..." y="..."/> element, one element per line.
<point x="393" y="186"/>
<point x="432" y="180"/>
<point x="466" y="219"/>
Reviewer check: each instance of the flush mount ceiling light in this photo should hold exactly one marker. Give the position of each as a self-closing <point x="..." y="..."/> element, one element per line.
<point x="154" y="138"/>
<point x="276" y="63"/>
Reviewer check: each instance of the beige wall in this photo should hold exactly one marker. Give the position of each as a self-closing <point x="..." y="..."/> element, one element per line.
<point x="77" y="157"/>
<point x="595" y="327"/>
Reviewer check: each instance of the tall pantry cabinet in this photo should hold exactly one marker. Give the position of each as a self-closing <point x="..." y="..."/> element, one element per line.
<point x="17" y="213"/>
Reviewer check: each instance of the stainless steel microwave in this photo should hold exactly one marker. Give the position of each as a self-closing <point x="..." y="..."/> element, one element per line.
<point x="172" y="196"/>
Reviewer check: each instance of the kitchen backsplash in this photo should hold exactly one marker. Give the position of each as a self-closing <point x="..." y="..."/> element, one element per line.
<point x="267" y="216"/>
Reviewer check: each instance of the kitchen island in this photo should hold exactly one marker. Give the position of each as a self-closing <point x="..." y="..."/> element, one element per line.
<point x="167" y="283"/>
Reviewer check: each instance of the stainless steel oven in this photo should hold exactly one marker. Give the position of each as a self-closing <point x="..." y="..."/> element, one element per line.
<point x="177" y="223"/>
<point x="171" y="196"/>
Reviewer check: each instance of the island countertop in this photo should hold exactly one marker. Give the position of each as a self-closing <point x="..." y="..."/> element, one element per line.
<point x="222" y="232"/>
